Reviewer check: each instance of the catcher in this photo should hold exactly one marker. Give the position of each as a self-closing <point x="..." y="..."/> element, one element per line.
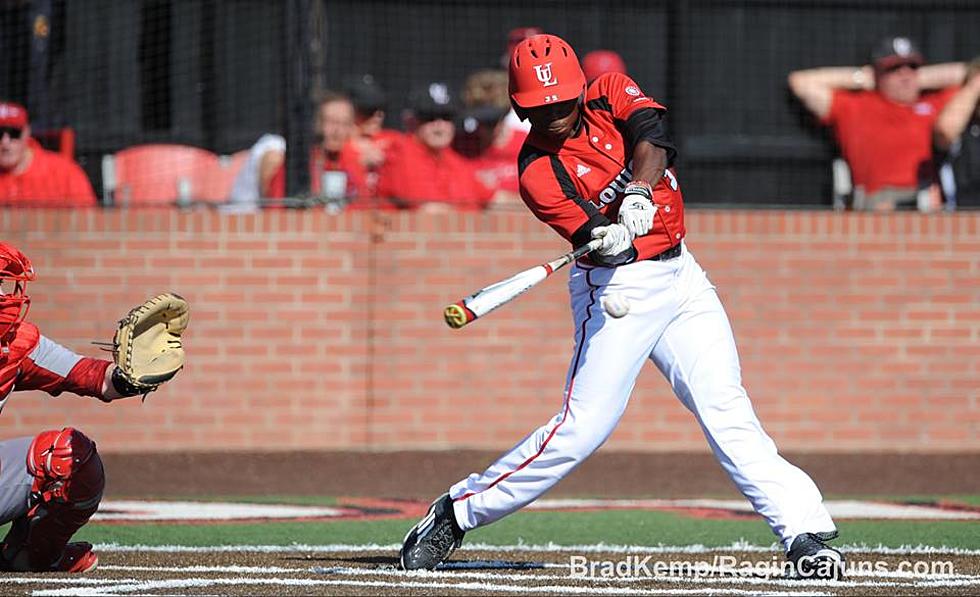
<point x="51" y="484"/>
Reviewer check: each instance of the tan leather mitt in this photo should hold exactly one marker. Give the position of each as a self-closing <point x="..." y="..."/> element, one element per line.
<point x="147" y="347"/>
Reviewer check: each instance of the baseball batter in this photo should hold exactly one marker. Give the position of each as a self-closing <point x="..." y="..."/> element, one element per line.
<point x="51" y="484"/>
<point x="597" y="164"/>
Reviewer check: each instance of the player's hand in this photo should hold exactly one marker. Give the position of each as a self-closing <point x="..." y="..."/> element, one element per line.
<point x="616" y="239"/>
<point x="637" y="210"/>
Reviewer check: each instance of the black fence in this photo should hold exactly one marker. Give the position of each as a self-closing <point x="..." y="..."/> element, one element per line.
<point x="219" y="73"/>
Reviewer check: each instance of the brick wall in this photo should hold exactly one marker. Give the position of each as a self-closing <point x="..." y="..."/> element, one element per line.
<point x="857" y="332"/>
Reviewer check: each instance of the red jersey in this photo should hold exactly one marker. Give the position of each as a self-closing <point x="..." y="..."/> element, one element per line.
<point x="383" y="140"/>
<point x="50" y="180"/>
<point x="578" y="184"/>
<point x="30" y="361"/>
<point x="413" y="175"/>
<point x="886" y="144"/>
<point x="345" y="161"/>
<point x="496" y="167"/>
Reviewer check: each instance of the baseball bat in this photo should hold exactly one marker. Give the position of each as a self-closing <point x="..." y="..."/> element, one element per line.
<point x="487" y="299"/>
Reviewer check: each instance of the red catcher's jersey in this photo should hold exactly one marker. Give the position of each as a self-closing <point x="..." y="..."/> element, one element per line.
<point x="559" y="182"/>
<point x="32" y="362"/>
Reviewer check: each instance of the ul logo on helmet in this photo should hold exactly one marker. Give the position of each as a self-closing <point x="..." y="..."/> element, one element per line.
<point x="544" y="74"/>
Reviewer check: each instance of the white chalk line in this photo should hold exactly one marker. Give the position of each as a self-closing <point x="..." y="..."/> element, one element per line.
<point x="546" y="547"/>
<point x="609" y="580"/>
<point x="92" y="586"/>
<point x="709" y="574"/>
<point x="139" y="586"/>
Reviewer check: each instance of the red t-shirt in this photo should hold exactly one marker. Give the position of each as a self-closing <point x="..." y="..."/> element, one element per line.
<point x="496" y="167"/>
<point x="384" y="139"/>
<point x="886" y="144"/>
<point x="579" y="184"/>
<point x="345" y="161"/>
<point x="50" y="180"/>
<point x="413" y="175"/>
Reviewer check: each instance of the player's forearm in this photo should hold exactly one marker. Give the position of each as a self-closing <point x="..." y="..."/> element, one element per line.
<point x="956" y="115"/>
<point x="938" y="76"/>
<point x="649" y="162"/>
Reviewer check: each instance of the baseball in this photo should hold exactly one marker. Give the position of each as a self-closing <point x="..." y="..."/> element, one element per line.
<point x="616" y="305"/>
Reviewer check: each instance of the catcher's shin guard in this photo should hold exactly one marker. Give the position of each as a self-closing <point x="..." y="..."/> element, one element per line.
<point x="68" y="484"/>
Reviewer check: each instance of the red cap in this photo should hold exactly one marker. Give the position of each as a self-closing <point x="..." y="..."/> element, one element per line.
<point x="12" y="114"/>
<point x="602" y="61"/>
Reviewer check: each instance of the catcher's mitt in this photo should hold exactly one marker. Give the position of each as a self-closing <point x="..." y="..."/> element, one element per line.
<point x="146" y="347"/>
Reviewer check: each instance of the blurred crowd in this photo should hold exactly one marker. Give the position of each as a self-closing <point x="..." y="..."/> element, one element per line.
<point x="908" y="135"/>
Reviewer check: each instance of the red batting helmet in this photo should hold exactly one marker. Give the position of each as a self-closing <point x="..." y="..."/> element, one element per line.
<point x="543" y="70"/>
<point x="15" y="272"/>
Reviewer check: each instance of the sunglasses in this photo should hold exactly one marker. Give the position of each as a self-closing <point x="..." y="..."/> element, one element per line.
<point x="12" y="132"/>
<point x="901" y="65"/>
<point x="424" y="117"/>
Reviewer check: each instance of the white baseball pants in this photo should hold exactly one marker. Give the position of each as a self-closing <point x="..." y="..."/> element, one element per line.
<point x="677" y="321"/>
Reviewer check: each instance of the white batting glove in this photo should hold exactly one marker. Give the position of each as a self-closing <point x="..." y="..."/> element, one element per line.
<point x="615" y="239"/>
<point x="637" y="209"/>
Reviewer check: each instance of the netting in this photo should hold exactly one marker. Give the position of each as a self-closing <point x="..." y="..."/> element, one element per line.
<point x="217" y="75"/>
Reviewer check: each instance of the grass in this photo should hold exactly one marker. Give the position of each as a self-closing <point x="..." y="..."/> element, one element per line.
<point x="566" y="528"/>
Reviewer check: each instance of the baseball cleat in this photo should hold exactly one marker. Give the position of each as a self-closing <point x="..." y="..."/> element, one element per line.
<point x="813" y="559"/>
<point x="77" y="558"/>
<point x="433" y="538"/>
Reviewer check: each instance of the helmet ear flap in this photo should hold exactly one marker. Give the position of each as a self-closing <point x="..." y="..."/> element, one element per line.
<point x="521" y="112"/>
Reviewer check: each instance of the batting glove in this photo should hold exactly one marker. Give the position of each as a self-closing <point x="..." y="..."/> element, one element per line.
<point x="637" y="209"/>
<point x="616" y="239"/>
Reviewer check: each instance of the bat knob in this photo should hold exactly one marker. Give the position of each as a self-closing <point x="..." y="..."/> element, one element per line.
<point x="457" y="315"/>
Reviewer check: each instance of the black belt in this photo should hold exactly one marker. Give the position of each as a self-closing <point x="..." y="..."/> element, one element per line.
<point x="670" y="253"/>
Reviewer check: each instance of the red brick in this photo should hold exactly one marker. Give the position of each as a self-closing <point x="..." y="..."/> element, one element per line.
<point x="856" y="331"/>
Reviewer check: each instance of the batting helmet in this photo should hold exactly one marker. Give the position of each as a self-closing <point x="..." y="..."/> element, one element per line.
<point x="544" y="70"/>
<point x="15" y="272"/>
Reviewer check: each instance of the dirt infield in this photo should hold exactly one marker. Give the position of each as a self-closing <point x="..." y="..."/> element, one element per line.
<point x="422" y="475"/>
<point x="519" y="570"/>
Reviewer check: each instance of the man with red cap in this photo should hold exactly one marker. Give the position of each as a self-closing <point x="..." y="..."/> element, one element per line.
<point x="882" y="117"/>
<point x="33" y="176"/>
<point x="599" y="62"/>
<point x="598" y="165"/>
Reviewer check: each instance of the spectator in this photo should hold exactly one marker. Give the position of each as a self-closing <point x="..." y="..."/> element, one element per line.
<point x="882" y="119"/>
<point x="253" y="183"/>
<point x="514" y="37"/>
<point x="957" y="133"/>
<point x="598" y="62"/>
<point x="422" y="169"/>
<point x="336" y="174"/>
<point x="490" y="145"/>
<point x="371" y="140"/>
<point x="33" y="176"/>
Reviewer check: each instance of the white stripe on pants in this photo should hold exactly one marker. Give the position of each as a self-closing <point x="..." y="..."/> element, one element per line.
<point x="677" y="321"/>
